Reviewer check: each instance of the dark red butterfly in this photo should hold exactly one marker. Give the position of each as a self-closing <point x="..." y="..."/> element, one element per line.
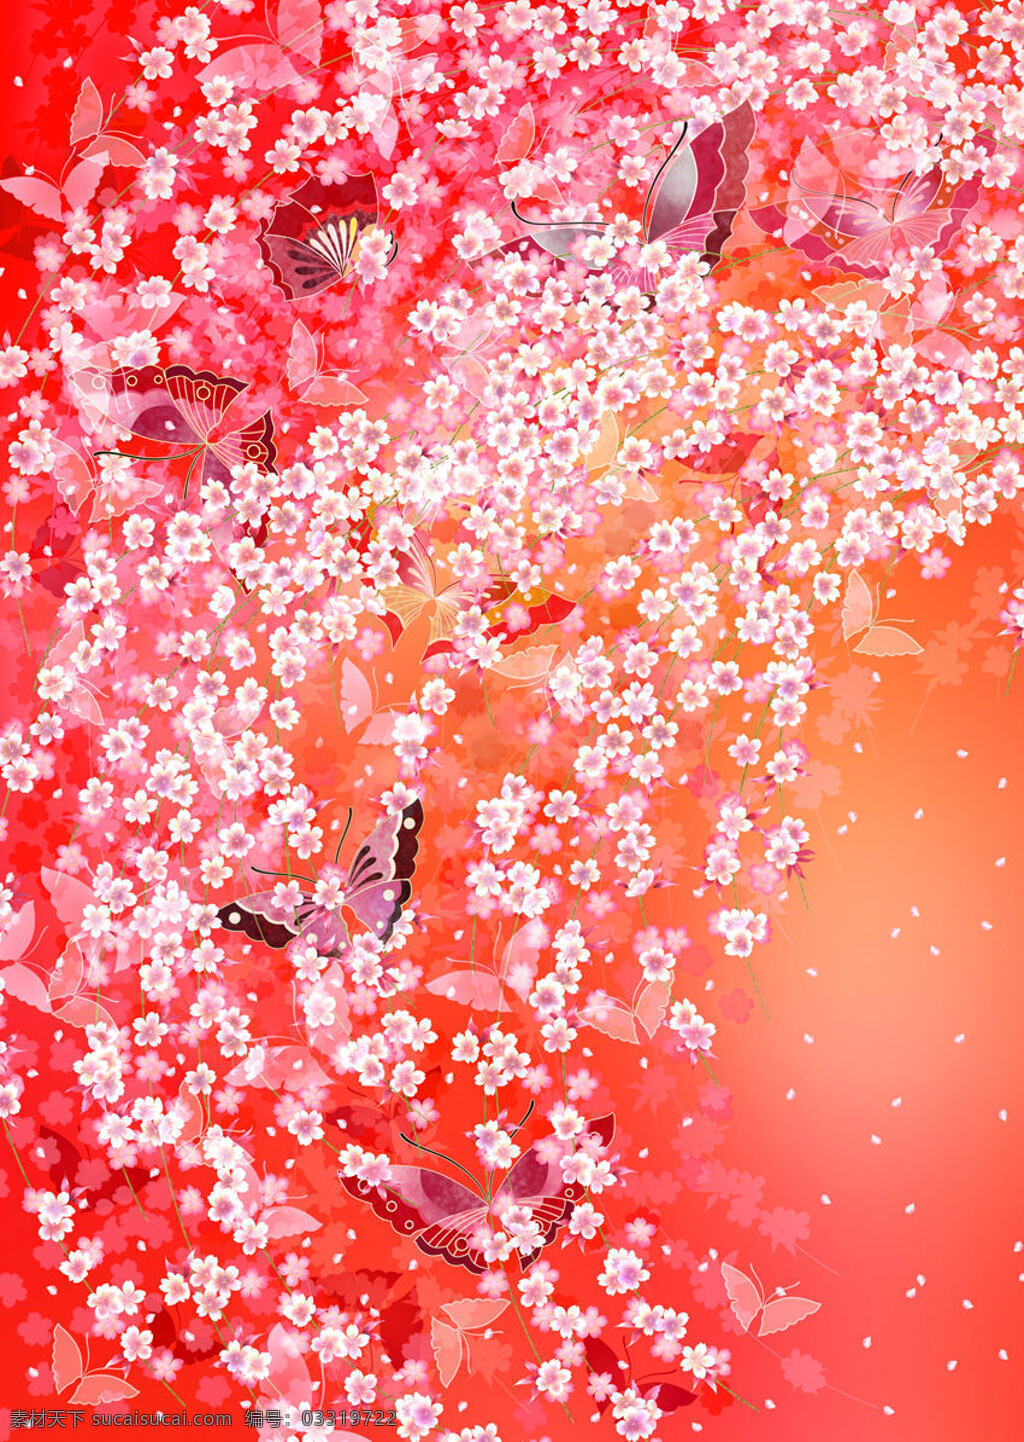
<point x="691" y="204"/>
<point x="310" y="242"/>
<point x="603" y="1363"/>
<point x="183" y="407"/>
<point x="377" y="887"/>
<point x="446" y="1219"/>
<point x="388" y="1300"/>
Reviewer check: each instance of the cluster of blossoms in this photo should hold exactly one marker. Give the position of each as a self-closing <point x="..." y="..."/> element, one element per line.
<point x="325" y="509"/>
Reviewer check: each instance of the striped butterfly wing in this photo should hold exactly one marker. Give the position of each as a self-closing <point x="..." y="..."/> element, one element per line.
<point x="379" y="879"/>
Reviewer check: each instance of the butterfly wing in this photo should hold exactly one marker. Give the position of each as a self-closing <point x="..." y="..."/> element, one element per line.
<point x="539" y="1186"/>
<point x="378" y="884"/>
<point x="888" y="641"/>
<point x="416" y="585"/>
<point x="917" y="193"/>
<point x="694" y="199"/>
<point x="442" y="1216"/>
<point x="652" y="1005"/>
<point x="253" y="443"/>
<point x="517" y="142"/>
<point x="785" y="1312"/>
<point x="199" y="398"/>
<point x="449" y="1349"/>
<point x="673" y="189"/>
<point x="319" y="925"/>
<point x="667" y="1395"/>
<point x="416" y="568"/>
<point x="610" y="1016"/>
<point x="523" y="668"/>
<point x="310" y="241"/>
<point x="259" y="918"/>
<point x="252" y="917"/>
<point x="744" y="1294"/>
<point x="299" y="26"/>
<point x="541" y="608"/>
<point x="563" y="241"/>
<point x="858" y="607"/>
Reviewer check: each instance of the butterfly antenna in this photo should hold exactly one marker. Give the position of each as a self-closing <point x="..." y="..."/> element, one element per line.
<point x="526" y="1118"/>
<point x="341" y="843"/>
<point x="291" y="875"/>
<point x="648" y="203"/>
<point x="441" y="1158"/>
<point x="556" y="224"/>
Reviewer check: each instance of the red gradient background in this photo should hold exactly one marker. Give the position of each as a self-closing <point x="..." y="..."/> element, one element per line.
<point x="878" y="1022"/>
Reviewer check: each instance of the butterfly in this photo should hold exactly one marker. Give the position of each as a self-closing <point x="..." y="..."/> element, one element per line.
<point x="446" y="1219"/>
<point x="87" y="123"/>
<point x="103" y="491"/>
<point x="68" y="1366"/>
<point x="859" y="613"/>
<point x="691" y="204"/>
<point x="627" y="1021"/>
<point x="862" y="235"/>
<point x="182" y="407"/>
<point x="512" y="613"/>
<point x="747" y="1300"/>
<point x="306" y="376"/>
<point x="376" y="889"/>
<point x="456" y="1325"/>
<point x="311" y="240"/>
<point x="53" y="200"/>
<point x="287" y="59"/>
<point x="418" y="586"/>
<point x="609" y="1373"/>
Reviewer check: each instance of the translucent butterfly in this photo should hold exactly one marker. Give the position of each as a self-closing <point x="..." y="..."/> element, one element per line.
<point x="863" y="233"/>
<point x="859" y="612"/>
<point x="690" y="206"/>
<point x="747" y="1299"/>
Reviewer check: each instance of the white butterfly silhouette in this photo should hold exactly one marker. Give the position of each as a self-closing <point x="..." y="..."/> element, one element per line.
<point x="879" y="638"/>
<point x="747" y="1299"/>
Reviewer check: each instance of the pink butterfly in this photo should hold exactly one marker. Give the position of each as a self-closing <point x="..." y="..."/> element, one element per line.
<point x="625" y="1021"/>
<point x="76" y="188"/>
<point x="518" y="139"/>
<point x="525" y="667"/>
<point x="306" y="375"/>
<point x="311" y="240"/>
<point x="287" y="60"/>
<point x="691" y="204"/>
<point x="482" y="989"/>
<point x="87" y="123"/>
<point x="94" y="1388"/>
<point x="446" y="1219"/>
<point x="88" y="489"/>
<point x="859" y="612"/>
<point x="453" y="1329"/>
<point x="527" y="176"/>
<point x="377" y="888"/>
<point x="863" y="235"/>
<point x="747" y="1299"/>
